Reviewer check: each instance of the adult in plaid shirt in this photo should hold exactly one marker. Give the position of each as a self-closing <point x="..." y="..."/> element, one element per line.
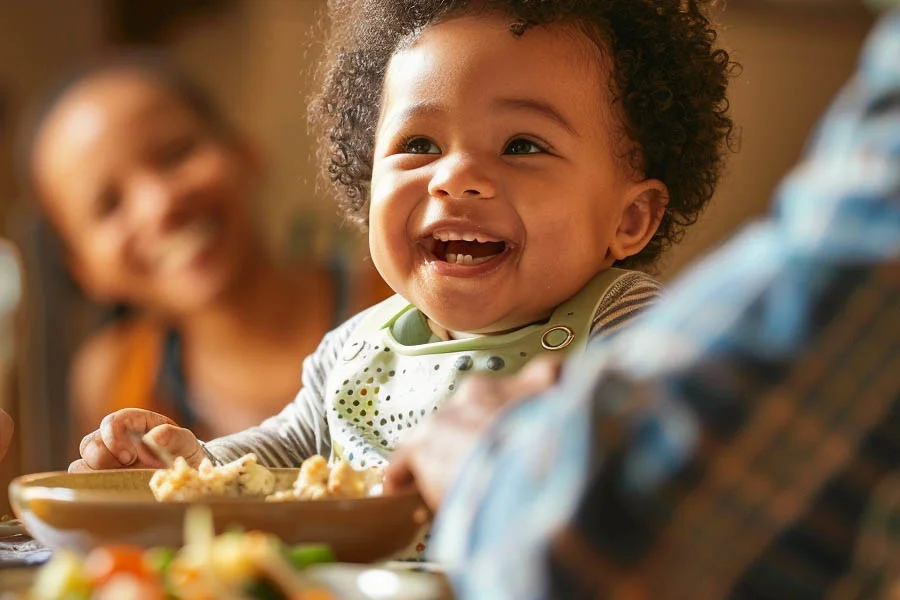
<point x="742" y="440"/>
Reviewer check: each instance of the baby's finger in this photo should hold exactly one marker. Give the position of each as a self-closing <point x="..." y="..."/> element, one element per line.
<point x="178" y="441"/>
<point x="79" y="466"/>
<point x="116" y="429"/>
<point x="95" y="455"/>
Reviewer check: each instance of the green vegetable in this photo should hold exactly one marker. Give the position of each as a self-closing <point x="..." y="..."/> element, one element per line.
<point x="263" y="589"/>
<point x="309" y="554"/>
<point x="159" y="559"/>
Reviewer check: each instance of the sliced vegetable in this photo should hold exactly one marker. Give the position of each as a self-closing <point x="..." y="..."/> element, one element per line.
<point x="236" y="557"/>
<point x="104" y="562"/>
<point x="309" y="554"/>
<point x="128" y="586"/>
<point x="159" y="559"/>
<point x="62" y="577"/>
<point x="207" y="567"/>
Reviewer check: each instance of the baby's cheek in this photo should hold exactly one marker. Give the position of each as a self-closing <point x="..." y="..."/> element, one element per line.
<point x="389" y="256"/>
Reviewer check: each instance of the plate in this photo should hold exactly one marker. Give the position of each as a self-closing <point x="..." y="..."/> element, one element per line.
<point x="81" y="511"/>
<point x="394" y="581"/>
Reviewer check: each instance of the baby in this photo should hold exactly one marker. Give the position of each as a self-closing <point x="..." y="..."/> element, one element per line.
<point x="512" y="160"/>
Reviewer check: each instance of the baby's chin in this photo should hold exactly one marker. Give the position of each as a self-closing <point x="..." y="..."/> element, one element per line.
<point x="482" y="324"/>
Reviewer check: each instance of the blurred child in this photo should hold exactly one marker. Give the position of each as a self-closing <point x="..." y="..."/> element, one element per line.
<point x="152" y="193"/>
<point x="512" y="161"/>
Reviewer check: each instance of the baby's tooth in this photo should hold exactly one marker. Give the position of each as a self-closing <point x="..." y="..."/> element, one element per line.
<point x="451" y="258"/>
<point x="481" y="260"/>
<point x="468" y="237"/>
<point x="467" y="259"/>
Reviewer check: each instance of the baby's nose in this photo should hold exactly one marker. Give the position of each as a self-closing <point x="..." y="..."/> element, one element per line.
<point x="461" y="177"/>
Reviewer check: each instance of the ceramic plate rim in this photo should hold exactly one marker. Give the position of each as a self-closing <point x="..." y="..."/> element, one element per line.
<point x="28" y="487"/>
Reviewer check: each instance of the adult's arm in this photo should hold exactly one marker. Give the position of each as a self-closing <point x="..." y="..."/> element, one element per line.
<point x="703" y="450"/>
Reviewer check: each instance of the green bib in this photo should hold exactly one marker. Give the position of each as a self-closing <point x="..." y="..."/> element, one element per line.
<point x="380" y="388"/>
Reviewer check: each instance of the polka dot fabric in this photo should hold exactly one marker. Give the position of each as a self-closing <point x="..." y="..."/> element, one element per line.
<point x="381" y="389"/>
<point x="385" y="392"/>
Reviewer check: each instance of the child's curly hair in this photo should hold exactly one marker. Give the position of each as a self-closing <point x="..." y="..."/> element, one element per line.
<point x="669" y="80"/>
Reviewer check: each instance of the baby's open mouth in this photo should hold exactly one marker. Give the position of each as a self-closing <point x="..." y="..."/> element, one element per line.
<point x="463" y="249"/>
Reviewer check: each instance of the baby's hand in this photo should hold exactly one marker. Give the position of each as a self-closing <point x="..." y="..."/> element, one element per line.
<point x="113" y="445"/>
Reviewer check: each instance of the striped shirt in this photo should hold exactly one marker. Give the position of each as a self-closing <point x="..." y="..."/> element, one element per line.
<point x="301" y="429"/>
<point x="743" y="439"/>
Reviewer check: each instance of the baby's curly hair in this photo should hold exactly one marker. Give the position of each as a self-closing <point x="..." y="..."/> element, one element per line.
<point x="669" y="82"/>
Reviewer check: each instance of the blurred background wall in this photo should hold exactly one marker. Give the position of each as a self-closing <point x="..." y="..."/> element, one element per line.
<point x="796" y="54"/>
<point x="257" y="57"/>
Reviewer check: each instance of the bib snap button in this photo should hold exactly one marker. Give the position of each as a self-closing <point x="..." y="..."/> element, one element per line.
<point x="557" y="338"/>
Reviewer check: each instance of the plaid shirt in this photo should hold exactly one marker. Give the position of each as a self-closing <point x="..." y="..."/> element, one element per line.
<point x="742" y="439"/>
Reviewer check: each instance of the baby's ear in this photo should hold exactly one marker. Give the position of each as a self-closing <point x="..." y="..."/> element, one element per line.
<point x="640" y="218"/>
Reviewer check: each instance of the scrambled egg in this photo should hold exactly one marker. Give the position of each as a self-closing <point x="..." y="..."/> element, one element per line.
<point x="245" y="478"/>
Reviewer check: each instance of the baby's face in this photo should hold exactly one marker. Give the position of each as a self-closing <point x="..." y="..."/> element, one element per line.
<point x="496" y="191"/>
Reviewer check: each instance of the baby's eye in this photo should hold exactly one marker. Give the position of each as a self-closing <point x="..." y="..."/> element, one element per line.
<point x="421" y="145"/>
<point x="523" y="146"/>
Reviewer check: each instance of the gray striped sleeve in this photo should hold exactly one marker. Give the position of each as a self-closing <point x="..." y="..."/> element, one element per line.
<point x="629" y="296"/>
<point x="300" y="429"/>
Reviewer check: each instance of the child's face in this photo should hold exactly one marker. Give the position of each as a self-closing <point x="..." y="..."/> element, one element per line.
<point x="506" y="141"/>
<point x="152" y="206"/>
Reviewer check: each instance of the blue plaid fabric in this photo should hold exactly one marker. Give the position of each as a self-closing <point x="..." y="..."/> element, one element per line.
<point x="742" y="439"/>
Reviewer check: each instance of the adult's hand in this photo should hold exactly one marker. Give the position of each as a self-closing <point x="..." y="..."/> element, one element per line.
<point x="431" y="458"/>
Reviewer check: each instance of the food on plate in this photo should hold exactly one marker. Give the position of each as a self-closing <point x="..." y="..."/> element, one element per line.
<point x="317" y="481"/>
<point x="182" y="483"/>
<point x="231" y="566"/>
<point x="244" y="477"/>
